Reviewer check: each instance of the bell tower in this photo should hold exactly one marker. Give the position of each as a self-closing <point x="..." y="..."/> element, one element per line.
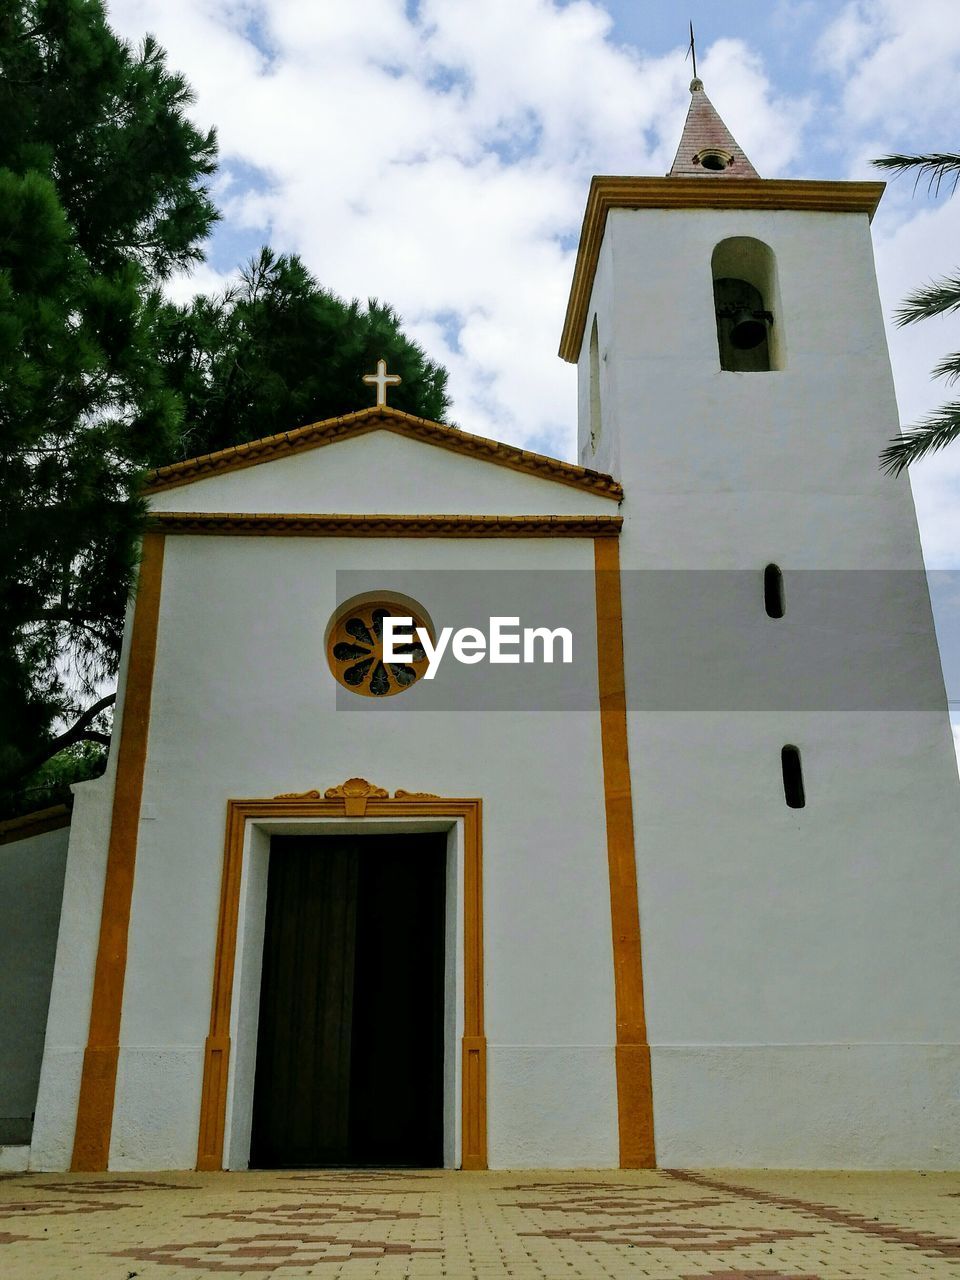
<point x="795" y="793"/>
<point x="730" y="347"/>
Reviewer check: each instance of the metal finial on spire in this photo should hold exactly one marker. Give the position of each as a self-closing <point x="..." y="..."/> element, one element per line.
<point x="692" y="50"/>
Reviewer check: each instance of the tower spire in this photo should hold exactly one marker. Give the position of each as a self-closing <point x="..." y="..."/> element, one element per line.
<point x="707" y="147"/>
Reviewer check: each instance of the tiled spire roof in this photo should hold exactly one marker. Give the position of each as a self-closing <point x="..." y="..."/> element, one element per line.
<point x="707" y="147"/>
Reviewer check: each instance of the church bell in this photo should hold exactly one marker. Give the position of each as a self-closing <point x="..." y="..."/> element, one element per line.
<point x="748" y="328"/>
<point x="743" y="322"/>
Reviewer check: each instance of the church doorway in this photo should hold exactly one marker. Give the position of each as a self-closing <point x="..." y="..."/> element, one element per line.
<point x="350" y="1042"/>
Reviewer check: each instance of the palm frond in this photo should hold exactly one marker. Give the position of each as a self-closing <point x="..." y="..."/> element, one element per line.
<point x="934" y="167"/>
<point x="938" y="298"/>
<point x="935" y="432"/>
<point x="948" y="369"/>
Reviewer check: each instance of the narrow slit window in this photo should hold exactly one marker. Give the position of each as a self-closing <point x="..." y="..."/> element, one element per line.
<point x="793" y="791"/>
<point x="596" y="423"/>
<point x="773" y="591"/>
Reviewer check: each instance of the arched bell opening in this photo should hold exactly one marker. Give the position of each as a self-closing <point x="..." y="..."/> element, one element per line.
<point x="746" y="302"/>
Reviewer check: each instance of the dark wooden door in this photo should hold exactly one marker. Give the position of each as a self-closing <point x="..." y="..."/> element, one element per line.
<point x="301" y="1100"/>
<point x="350" y="1043"/>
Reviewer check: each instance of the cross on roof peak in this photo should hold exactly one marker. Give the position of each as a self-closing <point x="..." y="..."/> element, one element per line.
<point x="381" y="380"/>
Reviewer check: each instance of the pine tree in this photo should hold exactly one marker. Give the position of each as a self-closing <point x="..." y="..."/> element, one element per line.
<point x="102" y="195"/>
<point x="277" y="351"/>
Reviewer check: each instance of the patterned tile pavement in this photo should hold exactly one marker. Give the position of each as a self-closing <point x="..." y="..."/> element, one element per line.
<point x="390" y="1225"/>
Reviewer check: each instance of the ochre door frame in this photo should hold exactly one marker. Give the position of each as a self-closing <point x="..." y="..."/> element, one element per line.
<point x="355" y="798"/>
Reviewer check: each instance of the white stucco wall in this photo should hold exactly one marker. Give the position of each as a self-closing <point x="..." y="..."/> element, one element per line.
<point x="800" y="965"/>
<point x="244" y="706"/>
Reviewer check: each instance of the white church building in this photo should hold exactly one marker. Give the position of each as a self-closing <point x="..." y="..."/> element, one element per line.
<point x="690" y="899"/>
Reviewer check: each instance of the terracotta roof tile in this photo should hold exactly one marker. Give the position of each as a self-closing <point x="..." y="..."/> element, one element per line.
<point x="705" y="131"/>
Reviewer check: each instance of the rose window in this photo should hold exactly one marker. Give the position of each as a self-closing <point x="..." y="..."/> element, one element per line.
<point x="355" y="650"/>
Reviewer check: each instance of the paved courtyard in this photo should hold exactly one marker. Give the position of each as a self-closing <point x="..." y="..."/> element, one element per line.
<point x="668" y="1225"/>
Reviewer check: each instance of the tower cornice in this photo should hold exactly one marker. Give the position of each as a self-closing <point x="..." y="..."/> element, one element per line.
<point x="608" y="193"/>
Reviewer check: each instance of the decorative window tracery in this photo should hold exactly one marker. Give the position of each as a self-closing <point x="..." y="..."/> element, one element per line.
<point x="355" y="650"/>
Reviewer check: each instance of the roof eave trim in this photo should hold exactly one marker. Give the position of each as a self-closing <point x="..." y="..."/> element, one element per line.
<point x="318" y="434"/>
<point x="37" y="823"/>
<point x="309" y="525"/>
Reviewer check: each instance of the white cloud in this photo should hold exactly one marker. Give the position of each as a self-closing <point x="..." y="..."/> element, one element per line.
<point x="770" y="129"/>
<point x="898" y="61"/>
<point x="441" y="162"/>
<point x="181" y="288"/>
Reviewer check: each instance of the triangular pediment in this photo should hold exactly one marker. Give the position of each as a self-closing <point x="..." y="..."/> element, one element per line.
<point x="353" y="426"/>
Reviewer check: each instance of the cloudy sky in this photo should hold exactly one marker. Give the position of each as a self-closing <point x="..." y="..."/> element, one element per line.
<point x="437" y="153"/>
